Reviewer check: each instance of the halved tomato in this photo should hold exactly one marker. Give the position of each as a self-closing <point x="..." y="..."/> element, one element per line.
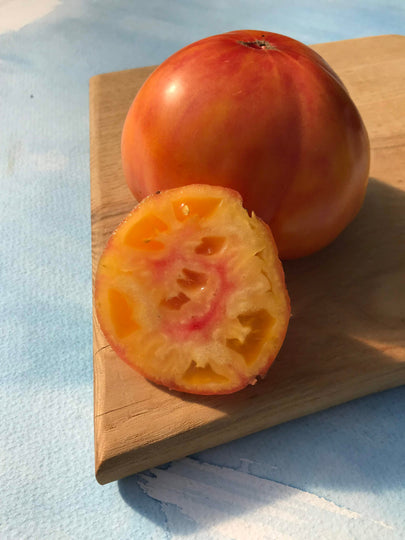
<point x="190" y="291"/>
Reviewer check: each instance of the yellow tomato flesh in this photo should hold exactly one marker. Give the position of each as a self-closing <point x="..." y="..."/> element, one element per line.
<point x="190" y="291"/>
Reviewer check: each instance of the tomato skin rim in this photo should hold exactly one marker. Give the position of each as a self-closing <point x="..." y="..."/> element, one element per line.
<point x="120" y="351"/>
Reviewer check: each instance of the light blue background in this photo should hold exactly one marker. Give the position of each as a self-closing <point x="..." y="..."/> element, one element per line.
<point x="351" y="456"/>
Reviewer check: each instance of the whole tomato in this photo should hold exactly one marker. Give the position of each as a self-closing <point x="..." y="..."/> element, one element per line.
<point x="260" y="113"/>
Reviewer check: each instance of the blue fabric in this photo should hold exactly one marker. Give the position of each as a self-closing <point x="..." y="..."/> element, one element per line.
<point x="336" y="474"/>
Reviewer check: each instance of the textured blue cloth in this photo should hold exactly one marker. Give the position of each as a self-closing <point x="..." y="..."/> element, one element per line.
<point x="336" y="474"/>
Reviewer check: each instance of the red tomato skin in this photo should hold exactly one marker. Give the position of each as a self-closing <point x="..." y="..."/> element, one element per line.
<point x="260" y="113"/>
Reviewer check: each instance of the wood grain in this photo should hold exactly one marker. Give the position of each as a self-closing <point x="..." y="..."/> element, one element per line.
<point x="347" y="333"/>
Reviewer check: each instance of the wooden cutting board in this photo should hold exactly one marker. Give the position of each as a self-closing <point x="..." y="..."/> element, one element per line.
<point x="347" y="333"/>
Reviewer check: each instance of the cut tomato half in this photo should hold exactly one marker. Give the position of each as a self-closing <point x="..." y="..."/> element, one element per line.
<point x="190" y="291"/>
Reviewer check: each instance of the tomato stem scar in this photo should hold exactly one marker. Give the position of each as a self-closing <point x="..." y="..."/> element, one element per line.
<point x="259" y="44"/>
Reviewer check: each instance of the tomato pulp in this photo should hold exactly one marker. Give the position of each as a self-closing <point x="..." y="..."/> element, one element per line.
<point x="190" y="291"/>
